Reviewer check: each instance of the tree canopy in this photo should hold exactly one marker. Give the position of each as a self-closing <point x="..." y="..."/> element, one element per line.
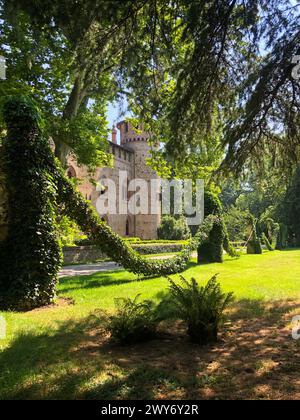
<point x="211" y="78"/>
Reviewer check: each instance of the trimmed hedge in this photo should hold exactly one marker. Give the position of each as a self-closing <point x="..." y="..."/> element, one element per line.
<point x="156" y="248"/>
<point x="136" y="242"/>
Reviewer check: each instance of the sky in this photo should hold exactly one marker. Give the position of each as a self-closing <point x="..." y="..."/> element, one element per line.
<point x="112" y="115"/>
<point x="116" y="113"/>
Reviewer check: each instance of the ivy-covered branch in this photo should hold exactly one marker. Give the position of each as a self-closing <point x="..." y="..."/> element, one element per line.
<point x="112" y="244"/>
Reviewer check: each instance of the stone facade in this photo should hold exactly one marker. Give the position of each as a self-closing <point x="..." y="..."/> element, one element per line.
<point x="130" y="156"/>
<point x="3" y="202"/>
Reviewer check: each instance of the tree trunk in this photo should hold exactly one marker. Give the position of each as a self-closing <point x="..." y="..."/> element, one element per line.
<point x="75" y="100"/>
<point x="62" y="151"/>
<point x="72" y="107"/>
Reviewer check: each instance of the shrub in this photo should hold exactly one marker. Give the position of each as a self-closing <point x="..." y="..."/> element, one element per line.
<point x="131" y="239"/>
<point x="202" y="308"/>
<point x="212" y="249"/>
<point x="268" y="229"/>
<point x="236" y="221"/>
<point x="134" y="321"/>
<point x="254" y="244"/>
<point x="282" y="241"/>
<point x="266" y="241"/>
<point x="174" y="229"/>
<point x="157" y="248"/>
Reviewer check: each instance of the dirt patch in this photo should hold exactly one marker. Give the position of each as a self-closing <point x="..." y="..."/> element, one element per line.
<point x="255" y="358"/>
<point x="60" y="302"/>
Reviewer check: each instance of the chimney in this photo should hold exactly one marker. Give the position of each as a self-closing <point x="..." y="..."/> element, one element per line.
<point x="114" y="135"/>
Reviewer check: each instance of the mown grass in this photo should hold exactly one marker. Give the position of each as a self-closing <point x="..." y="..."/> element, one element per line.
<point x="42" y="356"/>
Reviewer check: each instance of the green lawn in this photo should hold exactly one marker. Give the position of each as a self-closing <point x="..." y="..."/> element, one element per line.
<point x="41" y="357"/>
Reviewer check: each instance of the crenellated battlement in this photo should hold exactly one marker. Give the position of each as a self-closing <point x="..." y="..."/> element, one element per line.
<point x="130" y="134"/>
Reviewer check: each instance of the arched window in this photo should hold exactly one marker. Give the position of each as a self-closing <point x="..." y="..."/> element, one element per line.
<point x="71" y="173"/>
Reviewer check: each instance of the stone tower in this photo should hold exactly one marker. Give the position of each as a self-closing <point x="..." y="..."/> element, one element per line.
<point x="145" y="224"/>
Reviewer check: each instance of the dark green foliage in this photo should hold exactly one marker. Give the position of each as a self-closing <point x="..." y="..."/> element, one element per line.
<point x="174" y="229"/>
<point x="212" y="249"/>
<point x="30" y="257"/>
<point x="236" y="221"/>
<point x="134" y="321"/>
<point x="268" y="230"/>
<point x="282" y="240"/>
<point x="227" y="245"/>
<point x="157" y="248"/>
<point x="266" y="241"/>
<point x="289" y="213"/>
<point x="202" y="308"/>
<point x="254" y="245"/>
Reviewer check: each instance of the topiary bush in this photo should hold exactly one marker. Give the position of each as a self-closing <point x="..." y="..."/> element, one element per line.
<point x="135" y="321"/>
<point x="254" y="244"/>
<point x="150" y="249"/>
<point x="267" y="243"/>
<point x="30" y="256"/>
<point x="283" y="234"/>
<point x="212" y="249"/>
<point x="174" y="229"/>
<point x="202" y="308"/>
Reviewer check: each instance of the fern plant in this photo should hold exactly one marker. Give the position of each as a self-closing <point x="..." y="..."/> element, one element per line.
<point x="134" y="321"/>
<point x="202" y="308"/>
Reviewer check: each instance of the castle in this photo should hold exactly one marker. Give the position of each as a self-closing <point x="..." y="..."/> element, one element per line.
<point x="130" y="156"/>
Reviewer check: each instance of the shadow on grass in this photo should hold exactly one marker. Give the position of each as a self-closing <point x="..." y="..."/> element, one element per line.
<point x="103" y="279"/>
<point x="38" y="365"/>
<point x="69" y="284"/>
<point x="255" y="358"/>
<point x="251" y="309"/>
<point x="288" y="249"/>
